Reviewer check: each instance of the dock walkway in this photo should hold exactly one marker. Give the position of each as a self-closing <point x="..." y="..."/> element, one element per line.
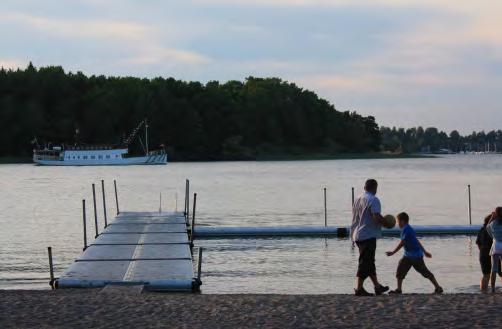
<point x="137" y="248"/>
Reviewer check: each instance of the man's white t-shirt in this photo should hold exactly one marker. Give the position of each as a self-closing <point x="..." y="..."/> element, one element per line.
<point x="363" y="225"/>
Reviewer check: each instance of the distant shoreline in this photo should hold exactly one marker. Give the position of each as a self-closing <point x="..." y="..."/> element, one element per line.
<point x="301" y="157"/>
<point x="342" y="156"/>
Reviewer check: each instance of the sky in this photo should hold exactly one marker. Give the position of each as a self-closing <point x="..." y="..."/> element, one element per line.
<point x="408" y="63"/>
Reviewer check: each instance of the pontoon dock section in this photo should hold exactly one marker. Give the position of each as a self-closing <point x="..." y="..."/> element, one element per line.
<point x="137" y="248"/>
<point x="202" y="232"/>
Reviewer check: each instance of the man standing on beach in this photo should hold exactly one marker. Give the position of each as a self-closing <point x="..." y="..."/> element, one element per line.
<point x="366" y="228"/>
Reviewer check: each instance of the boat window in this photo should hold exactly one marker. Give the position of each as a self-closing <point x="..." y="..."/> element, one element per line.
<point x="100" y="157"/>
<point x="108" y="157"/>
<point x="85" y="157"/>
<point x="93" y="157"/>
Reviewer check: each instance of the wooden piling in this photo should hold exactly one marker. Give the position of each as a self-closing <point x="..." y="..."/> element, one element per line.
<point x="95" y="209"/>
<point x="116" y="196"/>
<point x="352" y="196"/>
<point x="85" y="224"/>
<point x="51" y="268"/>
<point x="104" y="202"/>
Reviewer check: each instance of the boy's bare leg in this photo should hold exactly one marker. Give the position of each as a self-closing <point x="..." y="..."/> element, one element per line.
<point x="493" y="277"/>
<point x="400" y="284"/>
<point x="435" y="283"/>
<point x="483" y="286"/>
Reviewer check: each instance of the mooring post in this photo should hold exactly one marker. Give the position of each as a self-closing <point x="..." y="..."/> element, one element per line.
<point x="51" y="267"/>
<point x="469" y="205"/>
<point x="160" y="202"/>
<point x="325" y="210"/>
<point x="104" y="201"/>
<point x="192" y="227"/>
<point x="199" y="265"/>
<point x="352" y="196"/>
<point x="185" y="209"/>
<point x="188" y="200"/>
<point x="95" y="209"/>
<point x="116" y="196"/>
<point x="85" y="224"/>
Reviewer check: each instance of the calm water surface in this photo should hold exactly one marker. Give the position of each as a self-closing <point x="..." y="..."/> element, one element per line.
<point x="41" y="206"/>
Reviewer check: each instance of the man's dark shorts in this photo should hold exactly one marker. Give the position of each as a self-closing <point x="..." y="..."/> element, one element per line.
<point x="367" y="250"/>
<point x="417" y="263"/>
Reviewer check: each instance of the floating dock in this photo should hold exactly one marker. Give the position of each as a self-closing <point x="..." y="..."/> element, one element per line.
<point x="202" y="232"/>
<point x="138" y="248"/>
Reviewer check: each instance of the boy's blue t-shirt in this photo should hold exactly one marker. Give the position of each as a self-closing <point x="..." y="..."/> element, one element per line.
<point x="411" y="245"/>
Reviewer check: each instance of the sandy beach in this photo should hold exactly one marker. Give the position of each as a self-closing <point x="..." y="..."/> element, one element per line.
<point x="127" y="308"/>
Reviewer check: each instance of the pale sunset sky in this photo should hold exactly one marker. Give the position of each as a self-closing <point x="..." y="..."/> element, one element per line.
<point x="408" y="63"/>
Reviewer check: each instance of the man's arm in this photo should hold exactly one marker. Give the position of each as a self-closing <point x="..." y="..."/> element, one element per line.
<point x="376" y="210"/>
<point x="398" y="247"/>
<point x="426" y="253"/>
<point x="378" y="217"/>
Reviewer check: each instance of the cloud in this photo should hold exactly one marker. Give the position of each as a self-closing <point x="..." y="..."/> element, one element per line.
<point x="12" y="64"/>
<point x="155" y="55"/>
<point x="406" y="62"/>
<point x="79" y="28"/>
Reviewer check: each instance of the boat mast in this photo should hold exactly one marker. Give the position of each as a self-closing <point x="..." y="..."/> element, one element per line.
<point x="146" y="136"/>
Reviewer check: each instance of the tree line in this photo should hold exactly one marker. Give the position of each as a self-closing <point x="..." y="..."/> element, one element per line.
<point x="235" y="120"/>
<point x="416" y="140"/>
<point x="194" y="121"/>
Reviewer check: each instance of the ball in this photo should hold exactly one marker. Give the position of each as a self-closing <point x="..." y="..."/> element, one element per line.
<point x="389" y="221"/>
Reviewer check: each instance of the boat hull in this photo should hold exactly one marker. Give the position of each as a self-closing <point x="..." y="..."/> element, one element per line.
<point x="159" y="159"/>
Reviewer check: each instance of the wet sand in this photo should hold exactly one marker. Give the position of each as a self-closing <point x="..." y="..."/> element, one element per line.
<point x="117" y="308"/>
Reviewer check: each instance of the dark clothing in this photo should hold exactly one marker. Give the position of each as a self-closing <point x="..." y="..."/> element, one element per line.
<point x="417" y="263"/>
<point x="367" y="249"/>
<point x="484" y="242"/>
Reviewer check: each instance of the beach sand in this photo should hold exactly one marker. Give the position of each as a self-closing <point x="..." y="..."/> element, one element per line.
<point x="128" y="308"/>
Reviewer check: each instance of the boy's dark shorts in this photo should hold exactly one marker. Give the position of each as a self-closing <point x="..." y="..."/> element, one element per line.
<point x="417" y="263"/>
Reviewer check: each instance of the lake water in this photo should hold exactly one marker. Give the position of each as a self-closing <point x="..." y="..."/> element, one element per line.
<point x="41" y="206"/>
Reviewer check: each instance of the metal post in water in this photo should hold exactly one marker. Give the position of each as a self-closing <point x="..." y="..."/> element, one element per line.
<point x="325" y="210"/>
<point x="469" y="205"/>
<point x="160" y="202"/>
<point x="185" y="209"/>
<point x="352" y="197"/>
<point x="192" y="227"/>
<point x="104" y="201"/>
<point x="95" y="209"/>
<point x="199" y="265"/>
<point x="116" y="196"/>
<point x="188" y="200"/>
<point x="85" y="224"/>
<point x="51" y="268"/>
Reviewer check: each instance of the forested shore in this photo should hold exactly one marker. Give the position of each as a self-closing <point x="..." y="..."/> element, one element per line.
<point x="257" y="118"/>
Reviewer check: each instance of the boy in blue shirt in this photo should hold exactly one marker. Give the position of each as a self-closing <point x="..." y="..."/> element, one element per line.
<point x="413" y="256"/>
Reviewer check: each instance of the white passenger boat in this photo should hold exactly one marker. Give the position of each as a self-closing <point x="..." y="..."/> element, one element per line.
<point x="98" y="155"/>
